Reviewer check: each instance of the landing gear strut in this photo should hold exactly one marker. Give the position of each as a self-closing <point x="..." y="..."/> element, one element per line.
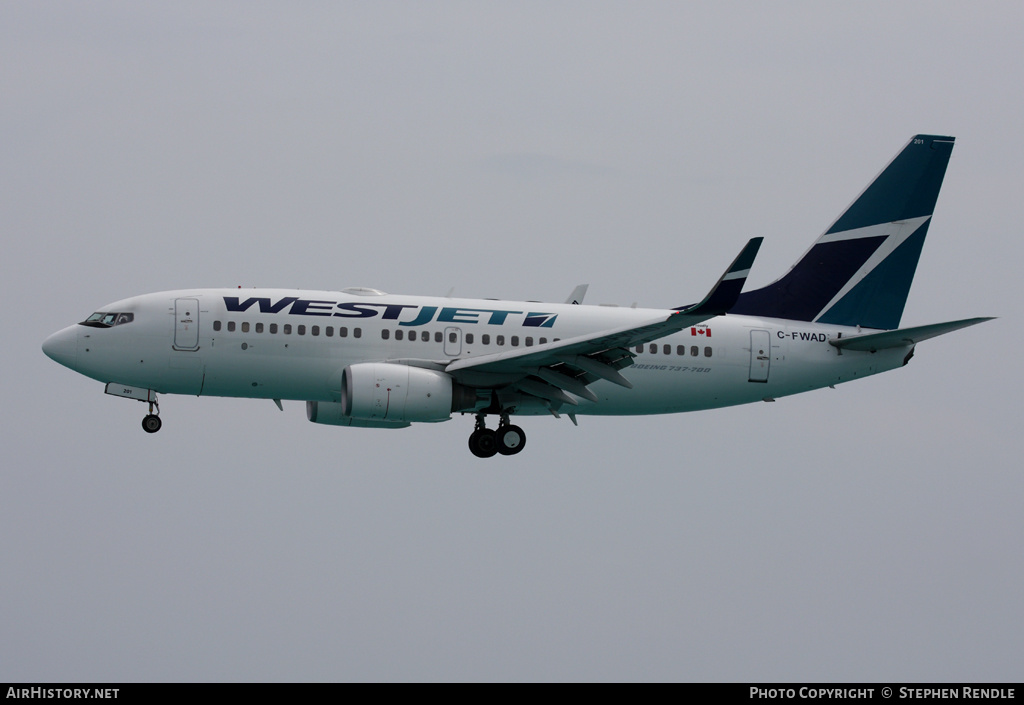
<point x="152" y="423"/>
<point x="508" y="439"/>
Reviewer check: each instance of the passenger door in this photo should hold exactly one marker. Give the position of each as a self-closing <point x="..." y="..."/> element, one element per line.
<point x="186" y="324"/>
<point x="760" y="355"/>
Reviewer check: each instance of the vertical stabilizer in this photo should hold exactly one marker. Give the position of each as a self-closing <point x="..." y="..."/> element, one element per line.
<point x="859" y="271"/>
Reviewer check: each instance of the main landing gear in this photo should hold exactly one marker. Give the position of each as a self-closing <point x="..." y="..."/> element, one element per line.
<point x="152" y="423"/>
<point x="507" y="439"/>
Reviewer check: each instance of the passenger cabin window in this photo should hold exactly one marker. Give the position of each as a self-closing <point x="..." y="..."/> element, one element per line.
<point x="438" y="337"/>
<point x="287" y="329"/>
<point x="273" y="328"/>
<point x="302" y="330"/>
<point x="329" y="331"/>
<point x="357" y="332"/>
<point x="259" y="327"/>
<point x="245" y="326"/>
<point x="231" y="326"/>
<point x="694" y="352"/>
<point x="315" y="330"/>
<point x="216" y="325"/>
<point x="399" y="334"/>
<point x="385" y="334"/>
<point x="707" y="352"/>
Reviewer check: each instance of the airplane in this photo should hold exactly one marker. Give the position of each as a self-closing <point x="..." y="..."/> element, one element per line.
<point x="362" y="358"/>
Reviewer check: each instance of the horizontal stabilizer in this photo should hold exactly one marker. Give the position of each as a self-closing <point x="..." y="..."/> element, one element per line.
<point x="872" y="342"/>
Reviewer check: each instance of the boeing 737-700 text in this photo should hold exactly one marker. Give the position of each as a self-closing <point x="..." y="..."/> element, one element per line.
<point x="360" y="357"/>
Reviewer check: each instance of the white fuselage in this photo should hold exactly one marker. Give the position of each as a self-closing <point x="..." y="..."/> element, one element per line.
<point x="295" y="344"/>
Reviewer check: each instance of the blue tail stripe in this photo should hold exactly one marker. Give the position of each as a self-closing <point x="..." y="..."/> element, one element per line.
<point x="808" y="287"/>
<point x="878" y="300"/>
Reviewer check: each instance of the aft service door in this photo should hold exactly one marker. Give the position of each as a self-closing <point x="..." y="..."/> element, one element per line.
<point x="760" y="355"/>
<point x="186" y="324"/>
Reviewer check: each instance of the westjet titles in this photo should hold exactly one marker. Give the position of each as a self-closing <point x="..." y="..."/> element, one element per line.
<point x="392" y="312"/>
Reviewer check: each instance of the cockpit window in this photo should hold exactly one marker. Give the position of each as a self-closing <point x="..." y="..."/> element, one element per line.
<point x="101" y="319"/>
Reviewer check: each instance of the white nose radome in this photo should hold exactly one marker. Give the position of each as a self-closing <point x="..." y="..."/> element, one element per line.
<point x="62" y="346"/>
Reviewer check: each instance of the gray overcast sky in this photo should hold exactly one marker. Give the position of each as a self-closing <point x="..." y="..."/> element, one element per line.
<point x="514" y="150"/>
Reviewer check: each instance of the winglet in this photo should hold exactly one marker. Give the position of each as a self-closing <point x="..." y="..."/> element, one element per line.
<point x="726" y="292"/>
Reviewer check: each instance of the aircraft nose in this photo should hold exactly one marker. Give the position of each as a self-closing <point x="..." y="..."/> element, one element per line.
<point x="62" y="346"/>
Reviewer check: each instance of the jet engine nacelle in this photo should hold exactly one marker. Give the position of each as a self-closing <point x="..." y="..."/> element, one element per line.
<point x="380" y="391"/>
<point x="332" y="414"/>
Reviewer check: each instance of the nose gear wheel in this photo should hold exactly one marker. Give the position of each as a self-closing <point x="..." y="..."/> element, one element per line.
<point x="151" y="423"/>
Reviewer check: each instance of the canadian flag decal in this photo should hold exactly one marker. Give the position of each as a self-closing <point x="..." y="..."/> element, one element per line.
<point x="703" y="330"/>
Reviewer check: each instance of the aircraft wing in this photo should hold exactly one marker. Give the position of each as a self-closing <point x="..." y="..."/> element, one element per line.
<point x="572" y="363"/>
<point x="873" y="342"/>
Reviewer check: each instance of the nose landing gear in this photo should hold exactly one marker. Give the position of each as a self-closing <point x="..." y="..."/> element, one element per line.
<point x="152" y="423"/>
<point x="508" y="439"/>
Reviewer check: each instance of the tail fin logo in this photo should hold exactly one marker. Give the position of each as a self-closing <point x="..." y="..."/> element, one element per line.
<point x="860" y="270"/>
